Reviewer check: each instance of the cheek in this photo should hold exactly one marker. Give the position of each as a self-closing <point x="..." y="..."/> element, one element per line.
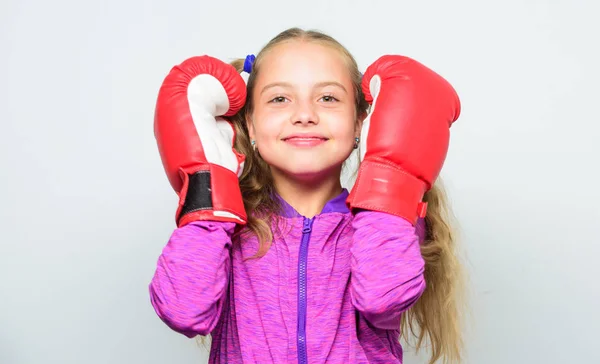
<point x="343" y="126"/>
<point x="268" y="125"/>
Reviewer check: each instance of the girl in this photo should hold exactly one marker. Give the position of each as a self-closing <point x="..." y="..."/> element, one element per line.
<point x="271" y="256"/>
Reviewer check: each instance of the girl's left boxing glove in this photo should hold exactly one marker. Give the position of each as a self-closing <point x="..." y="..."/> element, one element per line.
<point x="404" y="140"/>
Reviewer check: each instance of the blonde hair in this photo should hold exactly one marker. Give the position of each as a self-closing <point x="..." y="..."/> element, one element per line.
<point x="435" y="318"/>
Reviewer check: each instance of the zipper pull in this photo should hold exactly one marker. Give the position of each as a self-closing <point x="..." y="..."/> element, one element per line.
<point x="306" y="229"/>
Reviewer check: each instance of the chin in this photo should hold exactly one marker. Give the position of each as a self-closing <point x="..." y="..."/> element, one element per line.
<point x="308" y="169"/>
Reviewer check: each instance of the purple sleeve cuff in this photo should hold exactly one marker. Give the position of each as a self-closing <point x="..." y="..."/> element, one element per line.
<point x="421" y="230"/>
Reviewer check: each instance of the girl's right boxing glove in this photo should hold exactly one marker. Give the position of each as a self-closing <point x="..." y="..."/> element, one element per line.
<point x="196" y="143"/>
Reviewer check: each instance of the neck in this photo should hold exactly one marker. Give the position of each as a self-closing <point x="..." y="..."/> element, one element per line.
<point x="308" y="196"/>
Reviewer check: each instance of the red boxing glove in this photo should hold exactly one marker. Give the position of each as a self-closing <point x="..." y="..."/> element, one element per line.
<point x="196" y="143"/>
<point x="404" y="140"/>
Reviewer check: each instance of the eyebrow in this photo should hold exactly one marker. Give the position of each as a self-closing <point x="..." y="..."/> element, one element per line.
<point x="289" y="85"/>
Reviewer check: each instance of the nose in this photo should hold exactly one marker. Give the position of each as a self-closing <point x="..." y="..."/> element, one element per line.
<point x="305" y="113"/>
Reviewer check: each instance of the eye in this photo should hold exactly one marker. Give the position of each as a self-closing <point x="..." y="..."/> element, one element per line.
<point x="278" y="99"/>
<point x="329" y="98"/>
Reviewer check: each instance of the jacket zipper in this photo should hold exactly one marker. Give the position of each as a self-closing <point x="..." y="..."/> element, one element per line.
<point x="302" y="263"/>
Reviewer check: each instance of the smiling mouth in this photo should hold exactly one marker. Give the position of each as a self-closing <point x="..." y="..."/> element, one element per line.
<point x="301" y="141"/>
<point x="304" y="138"/>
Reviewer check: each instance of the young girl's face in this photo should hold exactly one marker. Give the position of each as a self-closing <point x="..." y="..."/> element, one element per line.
<point x="304" y="120"/>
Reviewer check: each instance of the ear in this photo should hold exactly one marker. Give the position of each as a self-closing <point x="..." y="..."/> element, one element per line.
<point x="359" y="123"/>
<point x="250" y="126"/>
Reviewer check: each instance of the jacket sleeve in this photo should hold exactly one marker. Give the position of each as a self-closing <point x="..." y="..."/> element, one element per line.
<point x="387" y="269"/>
<point x="191" y="280"/>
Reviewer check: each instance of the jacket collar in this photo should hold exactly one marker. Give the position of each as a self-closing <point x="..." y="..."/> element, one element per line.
<point x="336" y="204"/>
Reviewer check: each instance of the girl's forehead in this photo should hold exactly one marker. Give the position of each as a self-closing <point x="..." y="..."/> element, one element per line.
<point x="303" y="60"/>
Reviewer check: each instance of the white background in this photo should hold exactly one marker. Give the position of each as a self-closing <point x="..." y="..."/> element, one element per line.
<point x="86" y="208"/>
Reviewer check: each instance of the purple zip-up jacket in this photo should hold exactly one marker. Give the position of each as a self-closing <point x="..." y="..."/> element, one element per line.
<point x="331" y="289"/>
